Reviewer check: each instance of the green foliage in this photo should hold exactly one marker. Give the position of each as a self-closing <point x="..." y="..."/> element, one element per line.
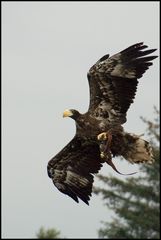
<point x="135" y="201"/>
<point x="48" y="234"/>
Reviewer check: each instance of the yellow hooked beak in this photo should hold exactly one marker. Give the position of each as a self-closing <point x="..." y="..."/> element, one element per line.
<point x="67" y="113"/>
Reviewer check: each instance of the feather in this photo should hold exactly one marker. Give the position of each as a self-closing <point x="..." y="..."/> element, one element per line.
<point x="112" y="84"/>
<point x="71" y="169"/>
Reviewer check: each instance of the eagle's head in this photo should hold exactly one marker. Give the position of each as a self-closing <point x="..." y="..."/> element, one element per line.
<point x="71" y="113"/>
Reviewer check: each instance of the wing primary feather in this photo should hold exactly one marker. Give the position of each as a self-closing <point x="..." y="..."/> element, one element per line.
<point x="144" y="59"/>
<point x="138" y="54"/>
<point x="72" y="194"/>
<point x="66" y="190"/>
<point x="137" y="46"/>
<point x="82" y="196"/>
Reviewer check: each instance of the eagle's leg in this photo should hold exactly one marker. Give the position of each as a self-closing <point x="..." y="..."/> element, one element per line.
<point x="105" y="138"/>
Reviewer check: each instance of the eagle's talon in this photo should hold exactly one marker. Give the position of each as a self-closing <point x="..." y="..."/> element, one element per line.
<point x="102" y="155"/>
<point x="102" y="136"/>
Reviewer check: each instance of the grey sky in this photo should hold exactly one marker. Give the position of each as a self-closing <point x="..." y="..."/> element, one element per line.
<point x="47" y="49"/>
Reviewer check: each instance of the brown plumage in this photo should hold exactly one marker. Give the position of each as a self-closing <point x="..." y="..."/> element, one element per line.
<point x="99" y="132"/>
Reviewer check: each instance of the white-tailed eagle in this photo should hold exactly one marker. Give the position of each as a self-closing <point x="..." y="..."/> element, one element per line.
<point x="99" y="132"/>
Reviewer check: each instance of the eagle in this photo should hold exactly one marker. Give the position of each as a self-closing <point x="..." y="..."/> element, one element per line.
<point x="100" y="135"/>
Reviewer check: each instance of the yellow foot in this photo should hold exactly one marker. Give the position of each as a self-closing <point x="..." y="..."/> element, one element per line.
<point x="102" y="136"/>
<point x="102" y="155"/>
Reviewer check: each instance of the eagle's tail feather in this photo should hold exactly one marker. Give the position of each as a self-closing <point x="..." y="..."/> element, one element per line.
<point x="138" y="150"/>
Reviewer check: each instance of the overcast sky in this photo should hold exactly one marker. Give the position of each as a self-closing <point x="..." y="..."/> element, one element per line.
<point x="47" y="49"/>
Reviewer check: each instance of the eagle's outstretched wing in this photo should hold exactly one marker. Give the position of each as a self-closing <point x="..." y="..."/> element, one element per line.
<point x="113" y="82"/>
<point x="72" y="168"/>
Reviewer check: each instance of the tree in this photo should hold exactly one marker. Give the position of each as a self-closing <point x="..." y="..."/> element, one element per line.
<point x="48" y="234"/>
<point x="134" y="201"/>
